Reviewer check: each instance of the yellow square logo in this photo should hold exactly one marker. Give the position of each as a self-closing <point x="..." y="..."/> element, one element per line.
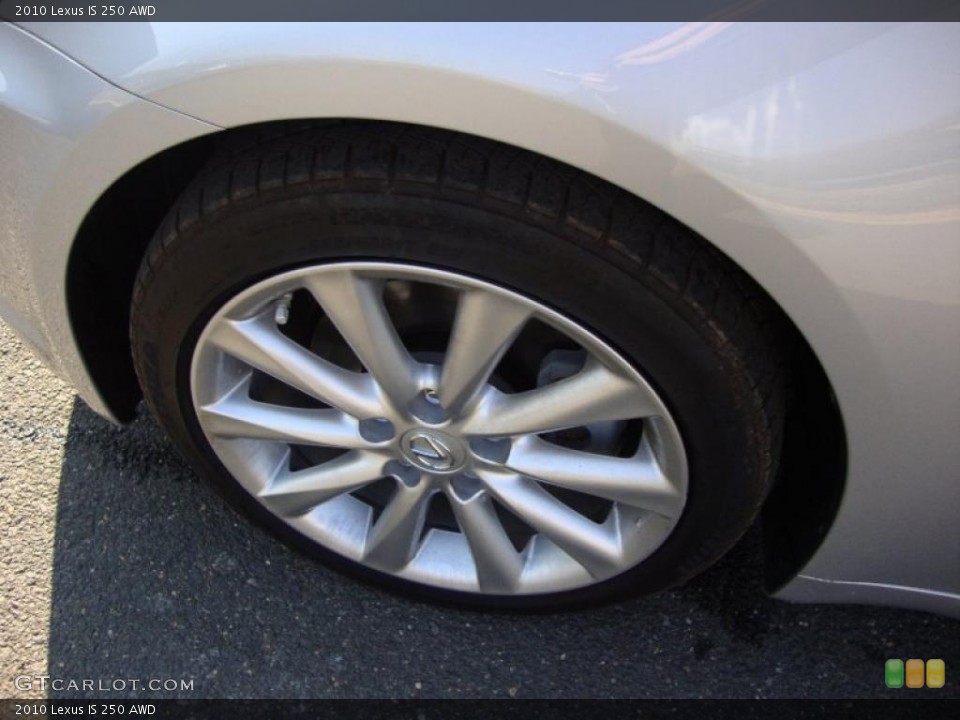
<point x="936" y="673"/>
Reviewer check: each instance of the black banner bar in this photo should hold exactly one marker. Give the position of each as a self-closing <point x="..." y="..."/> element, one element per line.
<point x="477" y="709"/>
<point x="487" y="10"/>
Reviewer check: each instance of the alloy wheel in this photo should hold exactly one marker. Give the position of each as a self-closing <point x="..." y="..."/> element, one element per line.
<point x="439" y="428"/>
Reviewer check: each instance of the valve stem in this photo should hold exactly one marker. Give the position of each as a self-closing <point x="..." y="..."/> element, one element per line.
<point x="282" y="315"/>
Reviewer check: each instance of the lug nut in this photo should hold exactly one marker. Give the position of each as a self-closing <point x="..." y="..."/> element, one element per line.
<point x="376" y="430"/>
<point x="427" y="408"/>
<point x="403" y="471"/>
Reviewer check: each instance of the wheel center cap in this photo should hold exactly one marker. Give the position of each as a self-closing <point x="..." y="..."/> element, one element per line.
<point x="433" y="450"/>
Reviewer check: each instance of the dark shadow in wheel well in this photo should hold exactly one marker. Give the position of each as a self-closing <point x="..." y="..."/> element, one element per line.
<point x="804" y="501"/>
<point x="104" y="260"/>
<point x="114" y="236"/>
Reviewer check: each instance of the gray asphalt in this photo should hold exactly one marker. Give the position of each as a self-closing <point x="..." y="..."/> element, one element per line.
<point x="116" y="562"/>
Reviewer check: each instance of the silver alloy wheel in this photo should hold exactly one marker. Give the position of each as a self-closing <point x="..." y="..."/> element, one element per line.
<point x="439" y="424"/>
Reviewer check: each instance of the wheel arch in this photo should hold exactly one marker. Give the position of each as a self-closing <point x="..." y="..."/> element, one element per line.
<point x="113" y="237"/>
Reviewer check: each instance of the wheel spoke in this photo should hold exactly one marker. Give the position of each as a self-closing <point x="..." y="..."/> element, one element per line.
<point x="236" y="415"/>
<point x="636" y="481"/>
<point x="596" y="547"/>
<point x="595" y="394"/>
<point x="393" y="541"/>
<point x="295" y="493"/>
<point x="355" y="306"/>
<point x="498" y="563"/>
<point x="259" y="343"/>
<point x="485" y="326"/>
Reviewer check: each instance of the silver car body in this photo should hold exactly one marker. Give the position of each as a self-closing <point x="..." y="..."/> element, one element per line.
<point x="824" y="159"/>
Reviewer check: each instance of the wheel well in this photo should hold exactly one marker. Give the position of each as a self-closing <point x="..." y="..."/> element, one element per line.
<point x="103" y="263"/>
<point x="113" y="238"/>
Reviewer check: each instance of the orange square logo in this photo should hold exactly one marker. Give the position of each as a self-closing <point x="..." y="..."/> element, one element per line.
<point x="915" y="672"/>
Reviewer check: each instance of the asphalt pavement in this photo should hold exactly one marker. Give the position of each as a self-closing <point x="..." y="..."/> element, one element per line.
<point x="116" y="562"/>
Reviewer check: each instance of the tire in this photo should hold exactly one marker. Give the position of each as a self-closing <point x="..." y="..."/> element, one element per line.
<point x="609" y="285"/>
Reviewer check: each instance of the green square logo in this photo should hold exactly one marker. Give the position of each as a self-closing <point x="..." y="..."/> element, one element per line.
<point x="893" y="672"/>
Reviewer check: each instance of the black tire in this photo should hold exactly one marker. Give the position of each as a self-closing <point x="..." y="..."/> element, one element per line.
<point x="691" y="321"/>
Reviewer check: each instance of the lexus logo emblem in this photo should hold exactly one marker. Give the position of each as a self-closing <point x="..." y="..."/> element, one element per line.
<point x="434" y="451"/>
<point x="431" y="451"/>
